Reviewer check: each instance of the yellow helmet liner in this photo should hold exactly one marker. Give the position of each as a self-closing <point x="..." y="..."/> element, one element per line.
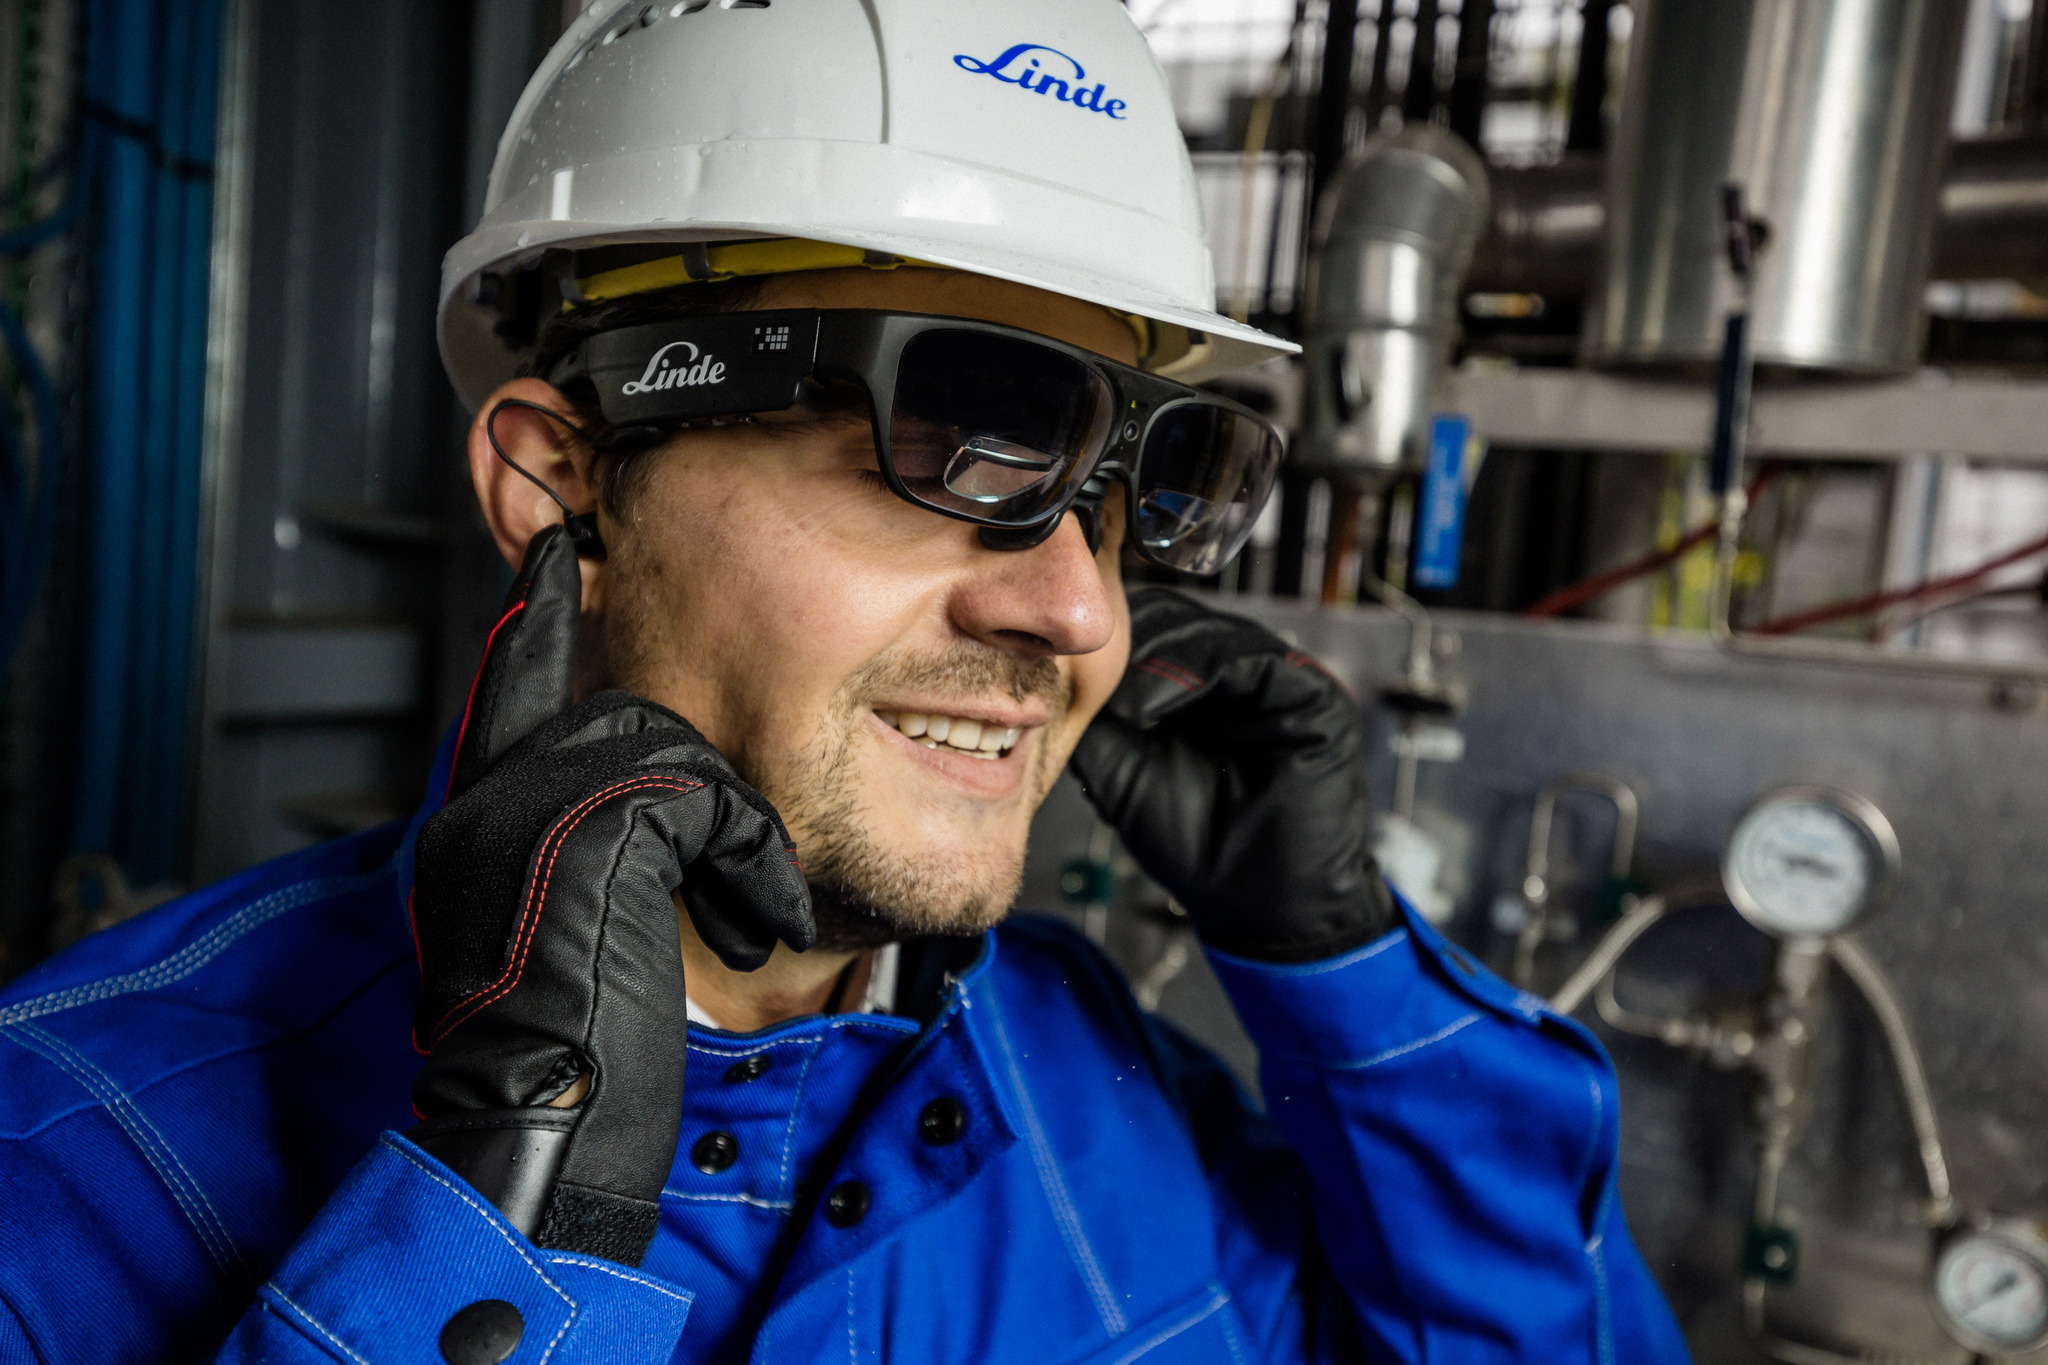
<point x="710" y="262"/>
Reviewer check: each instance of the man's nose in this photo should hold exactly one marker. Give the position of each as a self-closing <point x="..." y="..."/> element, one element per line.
<point x="1049" y="599"/>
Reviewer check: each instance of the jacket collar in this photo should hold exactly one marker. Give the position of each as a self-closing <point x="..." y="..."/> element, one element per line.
<point x="906" y="1176"/>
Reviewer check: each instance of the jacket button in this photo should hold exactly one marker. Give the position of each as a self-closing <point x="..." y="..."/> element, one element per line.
<point x="484" y="1333"/>
<point x="942" y="1121"/>
<point x="847" y="1204"/>
<point x="748" y="1069"/>
<point x="714" y="1152"/>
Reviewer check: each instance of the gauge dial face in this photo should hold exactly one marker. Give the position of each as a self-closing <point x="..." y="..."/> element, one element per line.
<point x="1803" y="864"/>
<point x="1993" y="1294"/>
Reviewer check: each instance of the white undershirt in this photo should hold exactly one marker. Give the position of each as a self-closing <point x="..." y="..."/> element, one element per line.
<point x="879" y="998"/>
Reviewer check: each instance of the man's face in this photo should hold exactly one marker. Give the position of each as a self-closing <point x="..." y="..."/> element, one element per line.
<point x="764" y="583"/>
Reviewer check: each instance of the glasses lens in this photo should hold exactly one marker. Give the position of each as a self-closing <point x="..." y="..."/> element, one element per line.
<point x="1203" y="476"/>
<point x="997" y="427"/>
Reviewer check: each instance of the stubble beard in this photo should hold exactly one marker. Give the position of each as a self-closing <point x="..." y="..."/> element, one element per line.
<point x="865" y="891"/>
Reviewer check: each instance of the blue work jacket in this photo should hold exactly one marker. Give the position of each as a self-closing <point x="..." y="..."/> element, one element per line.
<point x="198" y="1161"/>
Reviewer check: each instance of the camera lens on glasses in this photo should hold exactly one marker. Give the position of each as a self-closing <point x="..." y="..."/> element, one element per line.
<point x="998" y="427"/>
<point x="1203" y="476"/>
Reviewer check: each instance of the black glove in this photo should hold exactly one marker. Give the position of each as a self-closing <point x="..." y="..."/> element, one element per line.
<point x="548" y="941"/>
<point x="1234" y="768"/>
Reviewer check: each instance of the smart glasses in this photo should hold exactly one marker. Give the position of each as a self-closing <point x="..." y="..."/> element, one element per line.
<point x="994" y="426"/>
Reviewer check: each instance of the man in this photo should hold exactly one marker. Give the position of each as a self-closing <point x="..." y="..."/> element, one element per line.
<point x="820" y="502"/>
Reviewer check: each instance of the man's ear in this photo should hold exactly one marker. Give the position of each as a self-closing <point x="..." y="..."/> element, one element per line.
<point x="513" y="507"/>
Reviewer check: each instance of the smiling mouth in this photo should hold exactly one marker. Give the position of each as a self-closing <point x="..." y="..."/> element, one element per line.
<point x="955" y="734"/>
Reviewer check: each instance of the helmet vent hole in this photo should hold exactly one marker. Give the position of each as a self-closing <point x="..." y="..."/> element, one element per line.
<point x="683" y="7"/>
<point x="743" y="4"/>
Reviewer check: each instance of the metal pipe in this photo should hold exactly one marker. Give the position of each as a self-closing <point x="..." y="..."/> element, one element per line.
<point x="1545" y="231"/>
<point x="227" y="353"/>
<point x="1680" y="1033"/>
<point x="1991" y="222"/>
<point x="1781" y="1102"/>
<point x="1421" y="672"/>
<point x="1993" y="218"/>
<point x="1419" y="680"/>
<point x="1781" y="1059"/>
<point x="1607" y="952"/>
<point x="1392" y="243"/>
<point x="1784" y="1061"/>
<point x="1626" y="813"/>
<point x="1869" y="978"/>
<point x="1536" y="868"/>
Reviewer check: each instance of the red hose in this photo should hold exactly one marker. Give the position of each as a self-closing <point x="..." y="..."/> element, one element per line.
<point x="1898" y="623"/>
<point x="1600" y="584"/>
<point x="1878" y="601"/>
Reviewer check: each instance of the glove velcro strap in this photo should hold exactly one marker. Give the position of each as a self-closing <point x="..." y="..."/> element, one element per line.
<point x="599" y="1223"/>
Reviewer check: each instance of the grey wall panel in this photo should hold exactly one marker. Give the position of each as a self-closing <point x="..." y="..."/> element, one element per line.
<point x="311" y="778"/>
<point x="293" y="673"/>
<point x="349" y="454"/>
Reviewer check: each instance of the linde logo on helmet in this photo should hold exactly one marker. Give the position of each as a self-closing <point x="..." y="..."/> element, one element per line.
<point x="665" y="372"/>
<point x="1019" y="66"/>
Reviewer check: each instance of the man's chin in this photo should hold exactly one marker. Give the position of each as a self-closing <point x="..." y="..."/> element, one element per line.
<point x="863" y="898"/>
<point x="851" y="924"/>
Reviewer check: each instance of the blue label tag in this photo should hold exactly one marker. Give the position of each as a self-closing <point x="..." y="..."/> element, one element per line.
<point x="1440" y="529"/>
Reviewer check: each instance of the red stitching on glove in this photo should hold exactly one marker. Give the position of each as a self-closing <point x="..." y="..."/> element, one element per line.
<point x="537" y="896"/>
<point x="1171" y="672"/>
<point x="467" y="706"/>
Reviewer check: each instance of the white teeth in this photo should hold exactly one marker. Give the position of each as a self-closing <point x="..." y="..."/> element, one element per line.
<point x="956" y="733"/>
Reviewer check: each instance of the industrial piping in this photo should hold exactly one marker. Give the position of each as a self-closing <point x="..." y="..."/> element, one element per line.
<point x="1990" y="223"/>
<point x="1392" y="243"/>
<point x="1831" y="118"/>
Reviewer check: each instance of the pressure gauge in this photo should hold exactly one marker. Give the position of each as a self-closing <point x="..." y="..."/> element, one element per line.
<point x="1991" y="1290"/>
<point x="1809" y="860"/>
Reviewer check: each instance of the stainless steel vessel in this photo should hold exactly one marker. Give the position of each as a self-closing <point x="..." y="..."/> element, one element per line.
<point x="1832" y="115"/>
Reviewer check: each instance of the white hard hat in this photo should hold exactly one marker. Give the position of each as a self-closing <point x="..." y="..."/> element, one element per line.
<point x="1029" y="142"/>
